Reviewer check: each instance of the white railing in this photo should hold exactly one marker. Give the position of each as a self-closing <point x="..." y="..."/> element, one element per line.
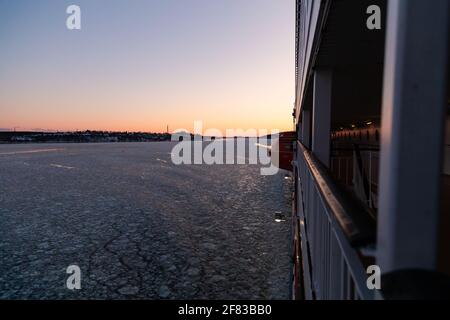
<point x="343" y="169"/>
<point x="330" y="236"/>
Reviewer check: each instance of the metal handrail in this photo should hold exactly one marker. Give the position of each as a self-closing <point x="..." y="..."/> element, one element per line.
<point x="354" y="219"/>
<point x="336" y="232"/>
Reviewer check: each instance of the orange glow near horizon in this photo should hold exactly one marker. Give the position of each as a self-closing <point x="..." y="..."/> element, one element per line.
<point x="114" y="117"/>
<point x="146" y="66"/>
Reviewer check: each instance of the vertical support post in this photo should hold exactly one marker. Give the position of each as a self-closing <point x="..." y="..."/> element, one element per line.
<point x="412" y="133"/>
<point x="299" y="131"/>
<point x="306" y="128"/>
<point x="321" y="124"/>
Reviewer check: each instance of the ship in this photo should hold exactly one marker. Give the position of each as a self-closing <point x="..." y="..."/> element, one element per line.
<point x="371" y="151"/>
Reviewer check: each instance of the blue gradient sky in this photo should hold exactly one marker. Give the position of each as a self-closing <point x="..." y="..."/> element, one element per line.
<point x="143" y="64"/>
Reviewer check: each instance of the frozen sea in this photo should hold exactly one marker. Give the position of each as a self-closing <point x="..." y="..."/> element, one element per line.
<point x="138" y="226"/>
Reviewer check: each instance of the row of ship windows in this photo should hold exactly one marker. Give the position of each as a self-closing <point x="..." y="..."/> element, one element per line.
<point x="375" y="135"/>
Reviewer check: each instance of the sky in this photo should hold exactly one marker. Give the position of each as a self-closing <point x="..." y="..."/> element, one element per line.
<point x="140" y="65"/>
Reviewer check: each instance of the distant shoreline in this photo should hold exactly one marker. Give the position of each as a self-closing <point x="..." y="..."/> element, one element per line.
<point x="26" y="137"/>
<point x="12" y="137"/>
<point x="75" y="142"/>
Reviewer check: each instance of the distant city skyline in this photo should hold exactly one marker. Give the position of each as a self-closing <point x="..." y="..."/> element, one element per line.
<point x="144" y="64"/>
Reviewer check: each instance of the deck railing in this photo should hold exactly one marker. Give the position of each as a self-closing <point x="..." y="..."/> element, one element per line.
<point x="333" y="231"/>
<point x="342" y="168"/>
